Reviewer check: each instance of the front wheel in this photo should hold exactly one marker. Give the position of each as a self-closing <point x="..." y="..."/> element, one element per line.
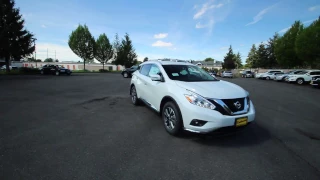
<point x="57" y="73"/>
<point x="134" y="97"/>
<point x="42" y="72"/>
<point x="300" y="81"/>
<point x="172" y="118"/>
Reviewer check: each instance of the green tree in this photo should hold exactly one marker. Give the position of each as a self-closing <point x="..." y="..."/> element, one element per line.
<point x="252" y="58"/>
<point x="228" y="62"/>
<point x="285" y="47"/>
<point x="126" y="55"/>
<point x="57" y="60"/>
<point x="307" y="44"/>
<point x="15" y="41"/>
<point x="209" y="59"/>
<point x="48" y="60"/>
<point x="237" y="60"/>
<point x="271" y="60"/>
<point x="104" y="49"/>
<point x="82" y="43"/>
<point x="262" y="56"/>
<point x="116" y="47"/>
<point x="38" y="60"/>
<point x="145" y="59"/>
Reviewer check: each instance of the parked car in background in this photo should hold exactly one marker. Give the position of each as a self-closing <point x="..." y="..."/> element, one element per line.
<point x="213" y="75"/>
<point x="126" y="73"/>
<point x="303" y="77"/>
<point x="4" y="67"/>
<point x="269" y="76"/>
<point x="228" y="74"/>
<point x="188" y="98"/>
<point x="55" y="70"/>
<point x="282" y="77"/>
<point x="315" y="81"/>
<point x="261" y="75"/>
<point x="247" y="74"/>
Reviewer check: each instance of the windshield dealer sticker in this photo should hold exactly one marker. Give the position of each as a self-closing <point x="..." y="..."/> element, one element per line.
<point x="175" y="74"/>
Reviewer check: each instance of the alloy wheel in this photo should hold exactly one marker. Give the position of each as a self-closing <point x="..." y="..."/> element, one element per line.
<point x="125" y="75"/>
<point x="169" y="118"/>
<point x="133" y="95"/>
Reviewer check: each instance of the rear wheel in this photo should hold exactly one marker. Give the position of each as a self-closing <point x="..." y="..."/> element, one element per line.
<point x="57" y="73"/>
<point x="267" y="78"/>
<point x="172" y="118"/>
<point x="125" y="75"/>
<point x="300" y="81"/>
<point x="42" y="72"/>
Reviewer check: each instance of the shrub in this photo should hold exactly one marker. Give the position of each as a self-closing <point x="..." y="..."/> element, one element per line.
<point x="103" y="70"/>
<point x="25" y="70"/>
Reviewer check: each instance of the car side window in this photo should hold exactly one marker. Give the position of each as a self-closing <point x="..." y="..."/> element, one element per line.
<point x="154" y="70"/>
<point x="145" y="69"/>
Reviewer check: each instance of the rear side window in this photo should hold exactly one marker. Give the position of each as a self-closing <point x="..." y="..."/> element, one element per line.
<point x="145" y="69"/>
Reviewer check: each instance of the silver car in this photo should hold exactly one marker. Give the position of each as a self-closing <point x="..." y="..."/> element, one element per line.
<point x="228" y="74"/>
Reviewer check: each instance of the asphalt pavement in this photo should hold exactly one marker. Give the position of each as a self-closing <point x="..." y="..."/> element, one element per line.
<point x="84" y="127"/>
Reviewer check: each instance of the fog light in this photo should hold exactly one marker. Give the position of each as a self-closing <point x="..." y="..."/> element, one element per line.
<point x="197" y="122"/>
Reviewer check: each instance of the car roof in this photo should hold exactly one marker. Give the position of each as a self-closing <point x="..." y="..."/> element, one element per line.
<point x="166" y="63"/>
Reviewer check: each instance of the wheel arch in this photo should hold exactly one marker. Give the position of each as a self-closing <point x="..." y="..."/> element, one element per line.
<point x="168" y="99"/>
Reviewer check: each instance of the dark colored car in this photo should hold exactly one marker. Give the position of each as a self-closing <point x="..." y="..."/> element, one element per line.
<point x="247" y="74"/>
<point x="315" y="81"/>
<point x="55" y="70"/>
<point x="128" y="72"/>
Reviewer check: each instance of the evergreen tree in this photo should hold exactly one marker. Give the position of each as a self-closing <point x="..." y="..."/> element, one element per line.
<point x="82" y="43"/>
<point x="238" y="60"/>
<point x="15" y="41"/>
<point x="126" y="55"/>
<point x="252" y="59"/>
<point x="145" y="59"/>
<point x="285" y="47"/>
<point x="229" y="62"/>
<point x="104" y="50"/>
<point x="262" y="56"/>
<point x="307" y="44"/>
<point x="271" y="60"/>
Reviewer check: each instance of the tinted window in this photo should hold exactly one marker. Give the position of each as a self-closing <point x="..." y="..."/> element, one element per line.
<point x="154" y="70"/>
<point x="134" y="67"/>
<point x="188" y="73"/>
<point x="145" y="69"/>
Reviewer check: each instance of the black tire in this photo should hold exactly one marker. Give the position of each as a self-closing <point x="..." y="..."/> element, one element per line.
<point x="300" y="81"/>
<point x="172" y="118"/>
<point x="267" y="78"/>
<point x="125" y="75"/>
<point x="134" y="98"/>
<point x="42" y="72"/>
<point x="57" y="73"/>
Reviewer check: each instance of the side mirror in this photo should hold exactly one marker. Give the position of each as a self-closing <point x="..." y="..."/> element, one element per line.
<point x="155" y="77"/>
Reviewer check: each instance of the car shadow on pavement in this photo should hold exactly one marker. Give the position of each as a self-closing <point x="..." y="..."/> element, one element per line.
<point x="248" y="136"/>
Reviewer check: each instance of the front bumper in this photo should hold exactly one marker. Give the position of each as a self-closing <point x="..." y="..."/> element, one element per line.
<point x="215" y="120"/>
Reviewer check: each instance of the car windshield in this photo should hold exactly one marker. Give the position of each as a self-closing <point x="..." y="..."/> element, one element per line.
<point x="188" y="73"/>
<point x="134" y="67"/>
<point x="227" y="72"/>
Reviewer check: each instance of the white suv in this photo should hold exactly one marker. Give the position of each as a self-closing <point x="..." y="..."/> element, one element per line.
<point x="189" y="98"/>
<point x="303" y="77"/>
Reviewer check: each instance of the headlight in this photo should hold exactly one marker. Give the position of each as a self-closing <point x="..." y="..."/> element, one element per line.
<point x="196" y="99"/>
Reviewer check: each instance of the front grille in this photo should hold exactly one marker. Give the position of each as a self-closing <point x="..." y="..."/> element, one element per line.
<point x="231" y="104"/>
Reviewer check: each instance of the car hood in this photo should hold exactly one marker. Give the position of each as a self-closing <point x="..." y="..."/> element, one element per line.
<point x="214" y="89"/>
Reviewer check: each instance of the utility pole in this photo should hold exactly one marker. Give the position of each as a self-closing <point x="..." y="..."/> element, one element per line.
<point x="47" y="53"/>
<point x="55" y="58"/>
